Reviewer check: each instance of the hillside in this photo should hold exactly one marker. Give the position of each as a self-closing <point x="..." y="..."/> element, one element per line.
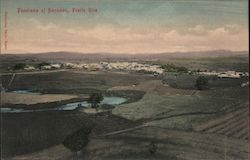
<point x="62" y="55"/>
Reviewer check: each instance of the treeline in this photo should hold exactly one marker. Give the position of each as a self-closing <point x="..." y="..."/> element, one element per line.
<point x="173" y="68"/>
<point x="21" y="66"/>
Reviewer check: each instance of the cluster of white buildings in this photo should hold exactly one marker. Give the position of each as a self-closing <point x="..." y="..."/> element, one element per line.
<point x="130" y="66"/>
<point x="133" y="66"/>
<point x="117" y="66"/>
<point x="29" y="68"/>
<point x="227" y="74"/>
<point x="45" y="67"/>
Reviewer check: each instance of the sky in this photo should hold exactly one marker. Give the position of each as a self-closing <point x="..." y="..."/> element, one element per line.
<point x="124" y="26"/>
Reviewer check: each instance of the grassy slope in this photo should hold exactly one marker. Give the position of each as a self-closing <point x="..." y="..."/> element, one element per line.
<point x="217" y="63"/>
<point x="170" y="144"/>
<point x="28" y="132"/>
<point x="178" y="100"/>
<point x="25" y="133"/>
<point x="71" y="82"/>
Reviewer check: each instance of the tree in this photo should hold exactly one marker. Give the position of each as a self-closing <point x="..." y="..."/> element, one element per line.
<point x="182" y="69"/>
<point x="78" y="140"/>
<point x="201" y="83"/>
<point x="19" y="66"/>
<point x="95" y="99"/>
<point x="173" y="68"/>
<point x="42" y="64"/>
<point x="152" y="148"/>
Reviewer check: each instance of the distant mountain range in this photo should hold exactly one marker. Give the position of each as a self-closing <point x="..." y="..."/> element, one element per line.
<point x="109" y="56"/>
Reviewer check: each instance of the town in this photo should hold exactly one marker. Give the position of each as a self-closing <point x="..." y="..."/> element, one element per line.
<point x="127" y="67"/>
<point x="114" y="66"/>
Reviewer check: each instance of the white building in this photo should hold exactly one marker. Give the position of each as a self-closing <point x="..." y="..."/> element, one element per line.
<point x="56" y="66"/>
<point x="227" y="74"/>
<point x="46" y="67"/>
<point x="245" y="84"/>
<point x="121" y="66"/>
<point x="73" y="65"/>
<point x="29" y="68"/>
<point x="230" y="74"/>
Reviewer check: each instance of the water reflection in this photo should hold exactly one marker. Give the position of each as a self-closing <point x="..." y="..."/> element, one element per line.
<point x="67" y="107"/>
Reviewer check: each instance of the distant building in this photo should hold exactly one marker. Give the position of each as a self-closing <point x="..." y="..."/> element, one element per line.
<point x="93" y="66"/>
<point x="29" y="68"/>
<point x="73" y="65"/>
<point x="245" y="84"/>
<point x="46" y="67"/>
<point x="56" y="66"/>
<point x="227" y="74"/>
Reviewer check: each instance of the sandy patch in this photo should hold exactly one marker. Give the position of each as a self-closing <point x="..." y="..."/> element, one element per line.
<point x="15" y="98"/>
<point x="92" y="110"/>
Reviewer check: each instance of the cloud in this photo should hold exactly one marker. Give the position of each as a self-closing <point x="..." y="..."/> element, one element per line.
<point x="43" y="37"/>
<point x="44" y="27"/>
<point x="47" y="26"/>
<point x="198" y="29"/>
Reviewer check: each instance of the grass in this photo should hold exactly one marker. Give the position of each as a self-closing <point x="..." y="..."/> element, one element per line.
<point x="236" y="63"/>
<point x="171" y="144"/>
<point x="177" y="110"/>
<point x="152" y="105"/>
<point x="187" y="81"/>
<point x="69" y="82"/>
<point x="29" y="132"/>
<point x="43" y="105"/>
<point x="14" y="98"/>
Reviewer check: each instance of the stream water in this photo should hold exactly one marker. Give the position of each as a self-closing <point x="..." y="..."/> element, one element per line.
<point x="66" y="107"/>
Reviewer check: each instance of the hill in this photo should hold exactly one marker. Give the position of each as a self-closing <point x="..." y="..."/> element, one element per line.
<point x="63" y="55"/>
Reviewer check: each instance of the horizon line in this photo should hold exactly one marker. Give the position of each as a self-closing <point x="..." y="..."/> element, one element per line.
<point x="202" y="51"/>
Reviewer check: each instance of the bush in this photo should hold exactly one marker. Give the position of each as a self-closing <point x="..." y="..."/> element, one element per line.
<point x="201" y="83"/>
<point x="42" y="64"/>
<point x="170" y="82"/>
<point x="182" y="69"/>
<point x="78" y="140"/>
<point x="19" y="66"/>
<point x="173" y="68"/>
<point x="152" y="148"/>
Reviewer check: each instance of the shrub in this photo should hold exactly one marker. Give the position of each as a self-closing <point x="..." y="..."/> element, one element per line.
<point x="19" y="66"/>
<point x="152" y="148"/>
<point x="201" y="83"/>
<point x="173" y="68"/>
<point x="182" y="69"/>
<point x="77" y="140"/>
<point x="42" y="64"/>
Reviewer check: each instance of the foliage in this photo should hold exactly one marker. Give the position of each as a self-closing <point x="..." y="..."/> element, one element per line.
<point x="170" y="82"/>
<point x="201" y="83"/>
<point x="152" y="148"/>
<point x="182" y="69"/>
<point x="78" y="140"/>
<point x="95" y="99"/>
<point x="173" y="68"/>
<point x="19" y="66"/>
<point x="42" y="64"/>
